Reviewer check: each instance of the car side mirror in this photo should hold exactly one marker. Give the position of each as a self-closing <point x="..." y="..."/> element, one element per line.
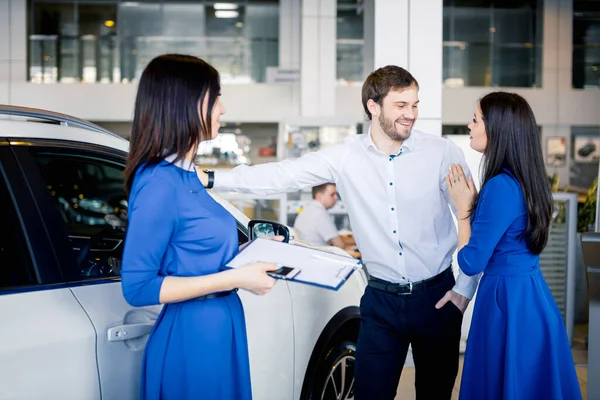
<point x="258" y="228"/>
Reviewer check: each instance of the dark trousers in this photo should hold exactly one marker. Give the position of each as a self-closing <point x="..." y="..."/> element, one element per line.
<point x="389" y="323"/>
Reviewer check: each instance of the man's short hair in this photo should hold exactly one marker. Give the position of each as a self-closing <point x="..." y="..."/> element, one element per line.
<point x="379" y="83"/>
<point x="320" y="189"/>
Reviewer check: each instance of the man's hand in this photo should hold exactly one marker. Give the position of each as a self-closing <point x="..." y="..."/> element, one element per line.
<point x="460" y="301"/>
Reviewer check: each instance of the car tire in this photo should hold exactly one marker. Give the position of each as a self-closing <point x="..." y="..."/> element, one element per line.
<point x="335" y="371"/>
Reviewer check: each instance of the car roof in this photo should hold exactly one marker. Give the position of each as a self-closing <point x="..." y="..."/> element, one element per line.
<point x="15" y="128"/>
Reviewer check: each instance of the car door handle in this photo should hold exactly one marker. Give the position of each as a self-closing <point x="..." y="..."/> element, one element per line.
<point x="121" y="333"/>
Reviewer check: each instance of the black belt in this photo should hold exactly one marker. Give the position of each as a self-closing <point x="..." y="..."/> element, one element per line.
<point x="215" y="295"/>
<point x="409" y="288"/>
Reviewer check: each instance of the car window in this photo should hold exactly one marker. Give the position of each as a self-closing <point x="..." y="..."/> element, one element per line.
<point x="88" y="193"/>
<point x="16" y="268"/>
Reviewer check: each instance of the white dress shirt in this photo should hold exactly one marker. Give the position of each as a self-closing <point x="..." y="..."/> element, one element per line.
<point x="314" y="225"/>
<point x="398" y="205"/>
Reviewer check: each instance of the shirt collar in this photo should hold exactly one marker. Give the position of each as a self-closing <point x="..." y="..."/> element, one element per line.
<point x="407" y="145"/>
<point x="184" y="164"/>
<point x="318" y="204"/>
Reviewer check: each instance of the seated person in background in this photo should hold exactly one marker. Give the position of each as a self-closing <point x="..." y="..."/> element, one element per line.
<point x="314" y="224"/>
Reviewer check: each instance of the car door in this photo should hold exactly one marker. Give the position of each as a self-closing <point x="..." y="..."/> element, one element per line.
<point x="83" y="187"/>
<point x="67" y="174"/>
<point x="47" y="341"/>
<point x="270" y="329"/>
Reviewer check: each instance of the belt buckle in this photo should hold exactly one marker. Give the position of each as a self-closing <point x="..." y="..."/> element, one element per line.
<point x="410" y="287"/>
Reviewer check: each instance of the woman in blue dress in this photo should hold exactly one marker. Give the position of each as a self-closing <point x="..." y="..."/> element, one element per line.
<point x="517" y="346"/>
<point x="179" y="239"/>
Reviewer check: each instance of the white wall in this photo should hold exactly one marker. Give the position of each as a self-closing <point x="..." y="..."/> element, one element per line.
<point x="114" y="102"/>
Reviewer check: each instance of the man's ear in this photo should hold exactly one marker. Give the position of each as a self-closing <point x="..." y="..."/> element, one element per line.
<point x="374" y="108"/>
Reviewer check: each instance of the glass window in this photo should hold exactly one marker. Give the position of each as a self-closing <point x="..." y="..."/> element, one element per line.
<point x="16" y="268"/>
<point x="586" y="44"/>
<point x="89" y="195"/>
<point x="52" y="42"/>
<point x="492" y="43"/>
<point x="585" y="153"/>
<point x="349" y="44"/>
<point x="109" y="42"/>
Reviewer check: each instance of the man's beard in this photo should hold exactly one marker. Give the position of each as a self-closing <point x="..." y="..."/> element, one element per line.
<point x="389" y="128"/>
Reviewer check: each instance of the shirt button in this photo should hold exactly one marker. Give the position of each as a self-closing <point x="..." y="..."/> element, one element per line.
<point x="400" y="253"/>
<point x="391" y="183"/>
<point x="393" y="209"/>
<point x="403" y="278"/>
<point x="394" y="231"/>
<point x="391" y="158"/>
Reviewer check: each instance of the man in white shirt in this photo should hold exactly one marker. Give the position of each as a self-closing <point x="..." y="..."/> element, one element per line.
<point x="393" y="184"/>
<point x="314" y="224"/>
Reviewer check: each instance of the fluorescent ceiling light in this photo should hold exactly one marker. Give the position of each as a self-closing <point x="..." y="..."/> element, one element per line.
<point x="225" y="6"/>
<point x="226" y="14"/>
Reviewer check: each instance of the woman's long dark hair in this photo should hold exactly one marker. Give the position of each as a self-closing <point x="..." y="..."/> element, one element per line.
<point x="513" y="143"/>
<point x="168" y="117"/>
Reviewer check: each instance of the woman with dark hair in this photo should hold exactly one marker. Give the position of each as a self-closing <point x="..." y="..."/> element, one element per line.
<point x="179" y="239"/>
<point x="517" y="346"/>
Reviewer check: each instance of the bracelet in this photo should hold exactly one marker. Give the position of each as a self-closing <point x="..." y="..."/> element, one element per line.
<point x="211" y="178"/>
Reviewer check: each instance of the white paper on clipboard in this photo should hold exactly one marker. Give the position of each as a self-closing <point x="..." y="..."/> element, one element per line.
<point x="317" y="267"/>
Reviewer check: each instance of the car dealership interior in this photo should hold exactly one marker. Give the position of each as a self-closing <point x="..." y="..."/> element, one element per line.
<point x="292" y="76"/>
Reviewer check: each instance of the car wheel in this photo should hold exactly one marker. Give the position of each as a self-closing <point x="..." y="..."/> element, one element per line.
<point x="334" y="379"/>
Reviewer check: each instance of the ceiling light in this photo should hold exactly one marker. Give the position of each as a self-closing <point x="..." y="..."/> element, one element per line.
<point x="225" y="6"/>
<point x="226" y="14"/>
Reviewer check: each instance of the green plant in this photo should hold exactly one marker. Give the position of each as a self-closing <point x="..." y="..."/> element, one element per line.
<point x="554" y="182"/>
<point x="586" y="215"/>
<point x="559" y="211"/>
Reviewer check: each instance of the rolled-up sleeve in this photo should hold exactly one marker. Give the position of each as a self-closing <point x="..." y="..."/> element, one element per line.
<point x="152" y="221"/>
<point x="311" y="169"/>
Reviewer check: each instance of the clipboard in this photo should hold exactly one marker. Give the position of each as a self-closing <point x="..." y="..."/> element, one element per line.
<point x="316" y="267"/>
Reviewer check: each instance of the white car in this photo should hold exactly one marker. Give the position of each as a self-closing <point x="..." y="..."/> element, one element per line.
<point x="66" y="332"/>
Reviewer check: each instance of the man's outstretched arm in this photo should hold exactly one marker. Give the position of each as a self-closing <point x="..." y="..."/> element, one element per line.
<point x="312" y="169"/>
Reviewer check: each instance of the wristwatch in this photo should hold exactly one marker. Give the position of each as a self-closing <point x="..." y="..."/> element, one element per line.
<point x="211" y="178"/>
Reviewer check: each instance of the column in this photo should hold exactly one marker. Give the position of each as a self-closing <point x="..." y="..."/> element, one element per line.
<point x="408" y="33"/>
<point x="13" y="46"/>
<point x="4" y="51"/>
<point x="289" y="33"/>
<point x="318" y="58"/>
<point x="557" y="60"/>
<point x="557" y="46"/>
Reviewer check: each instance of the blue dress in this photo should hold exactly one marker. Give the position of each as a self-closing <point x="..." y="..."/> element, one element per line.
<point x="198" y="348"/>
<point x="517" y="346"/>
